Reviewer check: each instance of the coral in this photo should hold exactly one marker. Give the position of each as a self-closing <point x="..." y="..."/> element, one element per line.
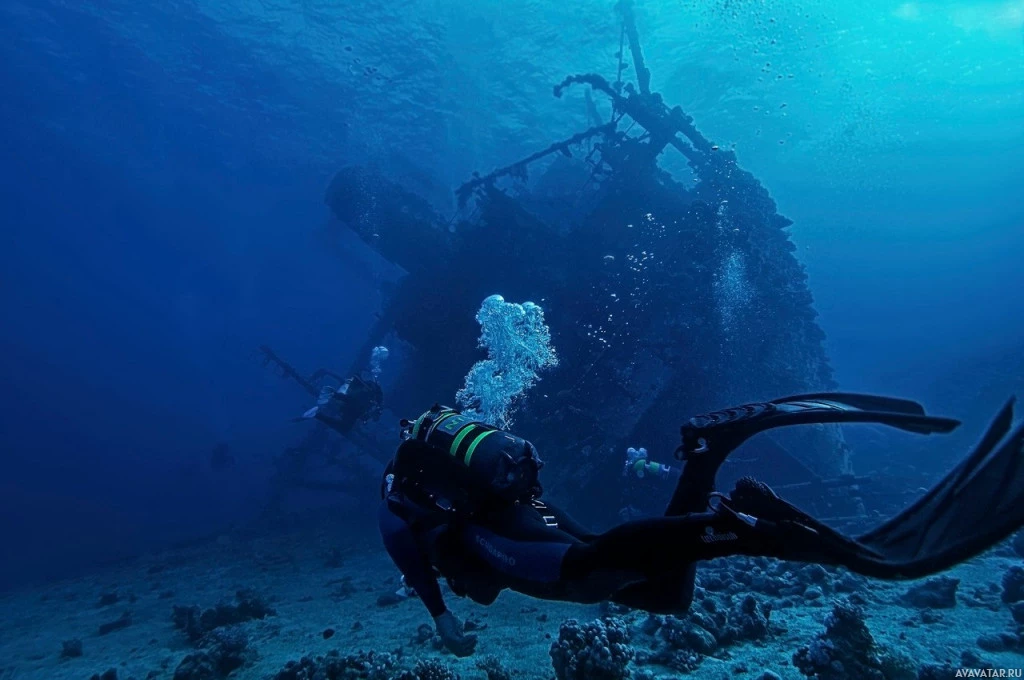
<point x="704" y="631"/>
<point x="1013" y="585"/>
<point x="935" y="593"/>
<point x="598" y="650"/>
<point x="186" y="619"/>
<point x="430" y="669"/>
<point x="815" y="573"/>
<point x="228" y="648"/>
<point x="518" y="345"/>
<point x="122" y="621"/>
<point x="334" y="666"/>
<point x="223" y="651"/>
<point x="493" y="668"/>
<point x="845" y="651"/>
<point x="108" y="599"/>
<point x="196" y="623"/>
<point x="303" y="669"/>
<point x="684" y="662"/>
<point x="682" y="633"/>
<point x="747" y="621"/>
<point x="998" y="642"/>
<point x="983" y="596"/>
<point x="334" y="558"/>
<point x="935" y="672"/>
<point x="197" y="666"/>
<point x="71" y="649"/>
<point x="850" y="583"/>
<point x="896" y="665"/>
<point x="971" y="659"/>
<point x="109" y="674"/>
<point x="687" y="636"/>
<point x="744" y="575"/>
<point x="743" y="621"/>
<point x="424" y="634"/>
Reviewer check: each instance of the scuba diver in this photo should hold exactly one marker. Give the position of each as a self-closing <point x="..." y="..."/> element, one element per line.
<point x="316" y="463"/>
<point x="639" y="465"/>
<point x="462" y="500"/>
<point x="355" y="401"/>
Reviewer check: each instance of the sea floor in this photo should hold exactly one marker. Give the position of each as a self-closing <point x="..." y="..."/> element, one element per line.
<point x="314" y="588"/>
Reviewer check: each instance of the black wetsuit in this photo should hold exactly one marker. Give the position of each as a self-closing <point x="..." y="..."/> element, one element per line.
<point x="649" y="564"/>
<point x="359" y="403"/>
<point x="407" y="550"/>
<point x="539" y="550"/>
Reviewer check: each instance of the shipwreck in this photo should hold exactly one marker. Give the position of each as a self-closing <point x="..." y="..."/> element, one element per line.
<point x="666" y="297"/>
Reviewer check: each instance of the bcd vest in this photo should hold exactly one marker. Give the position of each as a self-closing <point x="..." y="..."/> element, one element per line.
<point x="454" y="460"/>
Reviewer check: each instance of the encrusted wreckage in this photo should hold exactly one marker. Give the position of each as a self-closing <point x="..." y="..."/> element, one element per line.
<point x="666" y="297"/>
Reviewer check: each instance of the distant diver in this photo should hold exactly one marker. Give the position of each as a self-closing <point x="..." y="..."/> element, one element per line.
<point x="461" y="499"/>
<point x="355" y="401"/>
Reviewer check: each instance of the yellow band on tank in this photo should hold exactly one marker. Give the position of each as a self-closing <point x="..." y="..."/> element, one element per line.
<point x="472" y="446"/>
<point x="462" y="435"/>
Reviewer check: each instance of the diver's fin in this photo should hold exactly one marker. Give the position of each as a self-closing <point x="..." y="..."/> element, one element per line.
<point x="714" y="435"/>
<point x="864" y="402"/>
<point x="899" y="537"/>
<point x="802" y="538"/>
<point x="311" y="413"/>
<point x="962" y="525"/>
<point x="1001" y="481"/>
<point x="843" y="407"/>
<point x="977" y="505"/>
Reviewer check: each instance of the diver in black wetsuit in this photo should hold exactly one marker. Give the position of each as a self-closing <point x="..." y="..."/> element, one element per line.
<point x="341" y="409"/>
<point x="461" y="499"/>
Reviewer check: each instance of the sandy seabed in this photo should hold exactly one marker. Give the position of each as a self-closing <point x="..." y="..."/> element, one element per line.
<point x="314" y="588"/>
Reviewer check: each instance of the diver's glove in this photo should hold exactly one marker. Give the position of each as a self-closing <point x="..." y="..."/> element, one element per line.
<point x="451" y="632"/>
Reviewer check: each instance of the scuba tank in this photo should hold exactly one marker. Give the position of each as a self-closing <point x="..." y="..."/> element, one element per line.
<point x="460" y="463"/>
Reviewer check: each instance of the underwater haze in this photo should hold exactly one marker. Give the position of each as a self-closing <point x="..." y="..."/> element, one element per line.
<point x="162" y="205"/>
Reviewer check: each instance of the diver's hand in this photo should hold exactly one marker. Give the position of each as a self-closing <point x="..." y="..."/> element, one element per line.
<point x="451" y="632"/>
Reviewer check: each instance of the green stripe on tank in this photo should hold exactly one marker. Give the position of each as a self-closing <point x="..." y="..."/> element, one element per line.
<point x="462" y="435"/>
<point x="417" y="424"/>
<point x="437" y="422"/>
<point x="472" y="447"/>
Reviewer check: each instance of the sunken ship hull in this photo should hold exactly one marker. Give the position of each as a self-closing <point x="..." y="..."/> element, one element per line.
<point x="666" y="297"/>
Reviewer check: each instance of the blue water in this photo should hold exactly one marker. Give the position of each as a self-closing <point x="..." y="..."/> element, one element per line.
<point x="163" y="167"/>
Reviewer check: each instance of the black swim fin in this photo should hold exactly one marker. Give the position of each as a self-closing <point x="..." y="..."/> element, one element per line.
<point x="977" y="505"/>
<point x="708" y="439"/>
<point x="713" y="436"/>
<point x="865" y="402"/>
